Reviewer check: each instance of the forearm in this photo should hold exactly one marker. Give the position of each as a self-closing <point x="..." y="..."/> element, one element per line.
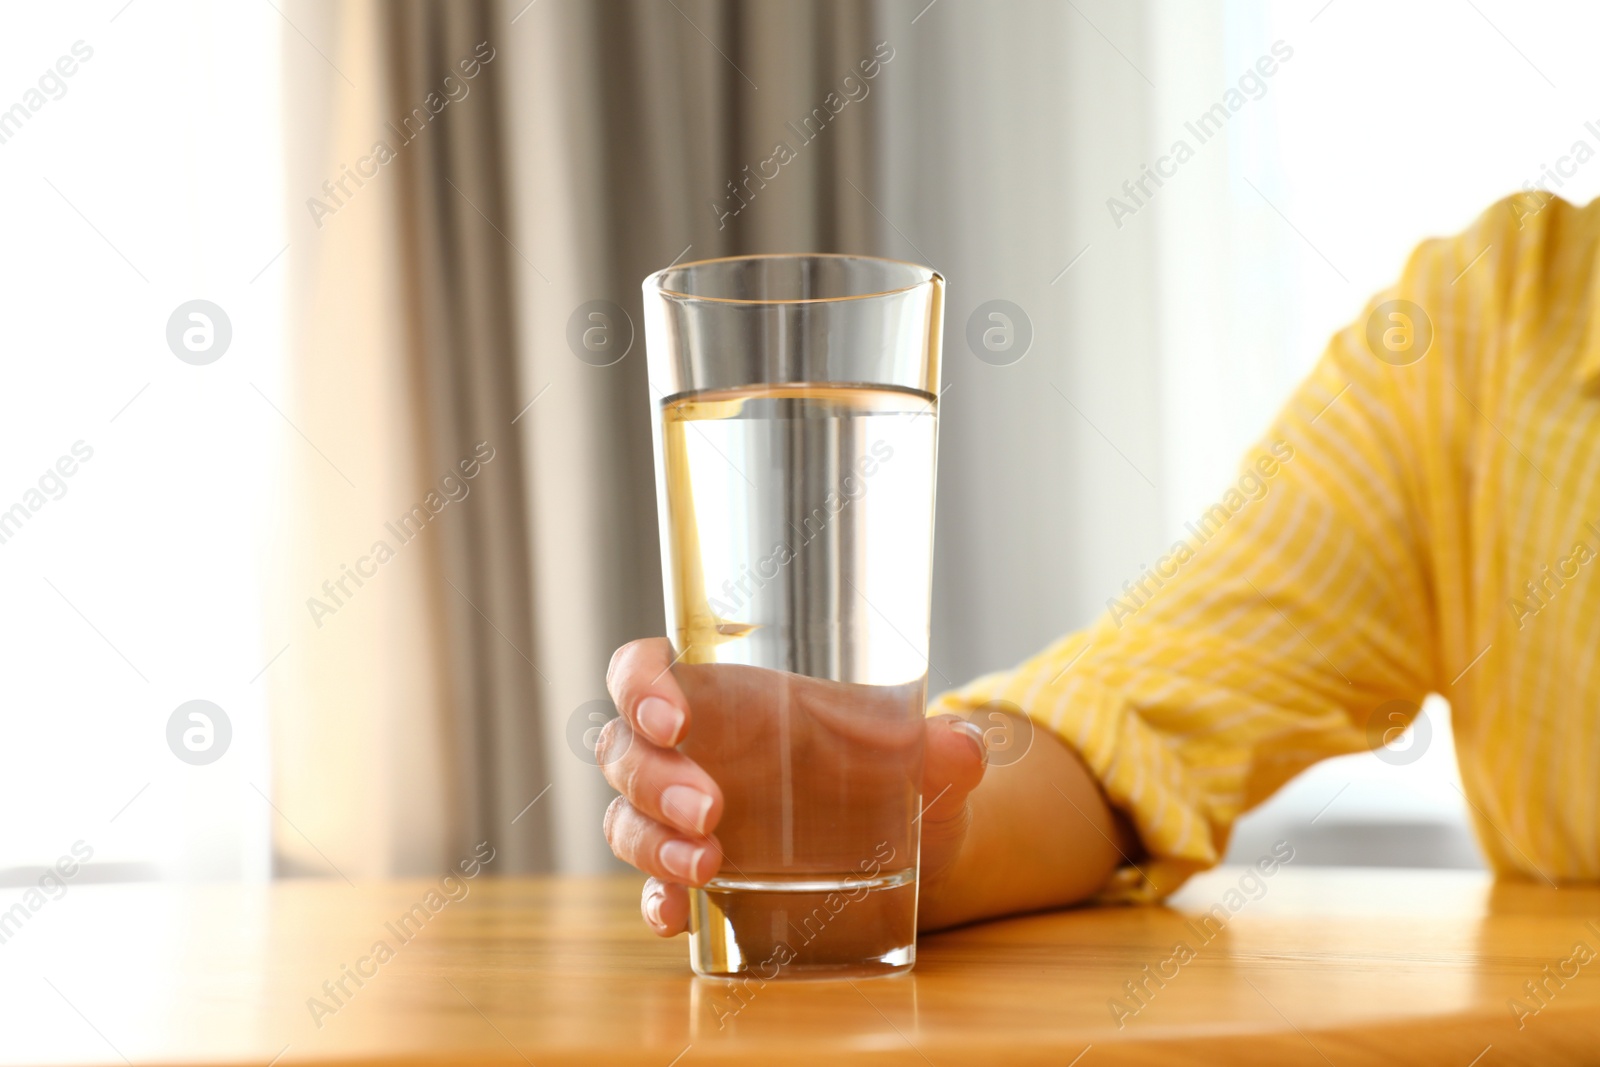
<point x="1041" y="836"/>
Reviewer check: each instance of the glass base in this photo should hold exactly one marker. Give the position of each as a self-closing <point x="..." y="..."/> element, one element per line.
<point x="811" y="926"/>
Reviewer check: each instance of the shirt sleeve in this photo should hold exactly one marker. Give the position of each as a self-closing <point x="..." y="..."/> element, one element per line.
<point x="1287" y="614"/>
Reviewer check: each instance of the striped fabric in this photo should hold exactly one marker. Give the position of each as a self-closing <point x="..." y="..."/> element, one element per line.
<point x="1423" y="517"/>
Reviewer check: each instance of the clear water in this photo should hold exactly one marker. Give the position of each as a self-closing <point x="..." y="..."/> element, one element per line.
<point x="798" y="535"/>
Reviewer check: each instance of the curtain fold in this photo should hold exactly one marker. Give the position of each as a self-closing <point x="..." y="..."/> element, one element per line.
<point x="455" y="266"/>
<point x="405" y="714"/>
<point x="357" y="785"/>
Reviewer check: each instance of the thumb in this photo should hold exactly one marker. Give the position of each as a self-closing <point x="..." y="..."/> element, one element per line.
<point x="953" y="764"/>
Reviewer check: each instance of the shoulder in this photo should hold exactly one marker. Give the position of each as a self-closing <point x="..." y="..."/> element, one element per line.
<point x="1510" y="292"/>
<point x="1521" y="254"/>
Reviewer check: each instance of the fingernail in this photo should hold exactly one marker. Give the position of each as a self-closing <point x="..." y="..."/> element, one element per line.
<point x="660" y="720"/>
<point x="680" y="858"/>
<point x="686" y="806"/>
<point x="652" y="908"/>
<point x="974" y="734"/>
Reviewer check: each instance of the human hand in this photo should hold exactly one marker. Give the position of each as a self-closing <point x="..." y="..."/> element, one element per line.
<point x="746" y="771"/>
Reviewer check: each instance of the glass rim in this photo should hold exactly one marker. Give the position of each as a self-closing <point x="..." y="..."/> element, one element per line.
<point x="653" y="281"/>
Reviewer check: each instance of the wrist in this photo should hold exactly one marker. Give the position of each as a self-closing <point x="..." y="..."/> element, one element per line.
<point x="1040" y="834"/>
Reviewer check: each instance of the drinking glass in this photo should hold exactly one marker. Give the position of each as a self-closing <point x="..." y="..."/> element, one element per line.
<point x="794" y="403"/>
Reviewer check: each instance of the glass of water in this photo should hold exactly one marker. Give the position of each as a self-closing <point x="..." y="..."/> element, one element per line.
<point x="794" y="401"/>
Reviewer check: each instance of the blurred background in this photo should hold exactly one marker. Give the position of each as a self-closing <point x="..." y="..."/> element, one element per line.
<point x="275" y="270"/>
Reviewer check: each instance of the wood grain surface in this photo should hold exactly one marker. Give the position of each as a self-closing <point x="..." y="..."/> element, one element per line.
<point x="1322" y="966"/>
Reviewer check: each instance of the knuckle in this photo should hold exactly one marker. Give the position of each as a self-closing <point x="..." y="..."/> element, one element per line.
<point x="627" y="773"/>
<point x="637" y="658"/>
<point x="614" y="813"/>
<point x="619" y="758"/>
<point x="616" y="661"/>
<point x="605" y="743"/>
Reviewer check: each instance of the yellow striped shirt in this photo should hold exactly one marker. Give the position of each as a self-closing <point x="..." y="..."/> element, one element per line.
<point x="1422" y="517"/>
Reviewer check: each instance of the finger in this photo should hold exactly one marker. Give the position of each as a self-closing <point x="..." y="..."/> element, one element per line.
<point x="665" y="906"/>
<point x="660" y="850"/>
<point x="640" y="681"/>
<point x="662" y="783"/>
<point x="953" y="765"/>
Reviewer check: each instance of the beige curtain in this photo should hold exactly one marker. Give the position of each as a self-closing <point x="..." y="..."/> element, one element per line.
<point x="405" y="707"/>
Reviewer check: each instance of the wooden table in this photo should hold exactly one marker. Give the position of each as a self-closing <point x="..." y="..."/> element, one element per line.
<point x="1327" y="966"/>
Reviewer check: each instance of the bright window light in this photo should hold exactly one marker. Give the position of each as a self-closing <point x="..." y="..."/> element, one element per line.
<point x="1390" y="123"/>
<point x="142" y="165"/>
